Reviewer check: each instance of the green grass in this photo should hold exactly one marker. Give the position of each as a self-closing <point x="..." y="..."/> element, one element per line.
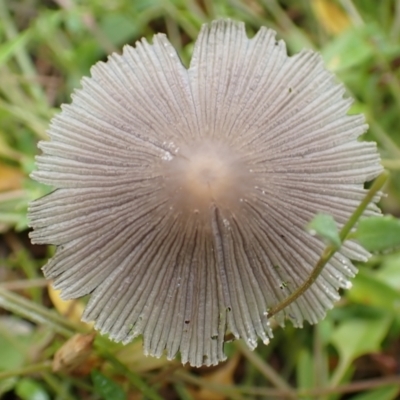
<point x="45" y="49"/>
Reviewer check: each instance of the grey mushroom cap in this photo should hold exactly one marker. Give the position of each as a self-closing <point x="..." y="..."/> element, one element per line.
<point x="182" y="195"/>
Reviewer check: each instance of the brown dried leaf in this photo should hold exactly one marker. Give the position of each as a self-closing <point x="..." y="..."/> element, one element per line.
<point x="75" y="356"/>
<point x="221" y="375"/>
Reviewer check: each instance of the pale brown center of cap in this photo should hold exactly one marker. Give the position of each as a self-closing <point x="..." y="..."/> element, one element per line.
<point x="206" y="173"/>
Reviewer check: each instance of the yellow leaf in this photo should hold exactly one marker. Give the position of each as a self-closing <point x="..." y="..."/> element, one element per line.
<point x="72" y="309"/>
<point x="10" y="178"/>
<point x="331" y="16"/>
<point x="132" y="356"/>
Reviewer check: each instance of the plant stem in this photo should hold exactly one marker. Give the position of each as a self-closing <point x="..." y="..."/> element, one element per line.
<point x="59" y="386"/>
<point x="382" y="137"/>
<point x="331" y="249"/>
<point x="391" y="78"/>
<point x="320" y="362"/>
<point x="132" y="377"/>
<point x="269" y="373"/>
<point x="275" y="9"/>
<point x="22" y="57"/>
<point x="270" y="393"/>
<point x="352" y="12"/>
<point x="391" y="164"/>
<point x="395" y="29"/>
<point x="182" y="391"/>
<point x="30" y="369"/>
<point x="25" y="284"/>
<point x="353" y="387"/>
<point x="228" y="391"/>
<point x="37" y="313"/>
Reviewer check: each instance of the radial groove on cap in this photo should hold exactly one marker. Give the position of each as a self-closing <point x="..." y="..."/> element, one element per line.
<point x="182" y="195"/>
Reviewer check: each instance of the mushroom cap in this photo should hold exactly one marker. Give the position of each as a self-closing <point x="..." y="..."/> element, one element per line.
<point x="182" y="195"/>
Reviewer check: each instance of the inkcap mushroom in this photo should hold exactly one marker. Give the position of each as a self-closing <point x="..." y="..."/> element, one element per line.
<point x="181" y="195"/>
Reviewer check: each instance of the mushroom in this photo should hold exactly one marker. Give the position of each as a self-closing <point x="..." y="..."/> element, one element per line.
<point x="182" y="195"/>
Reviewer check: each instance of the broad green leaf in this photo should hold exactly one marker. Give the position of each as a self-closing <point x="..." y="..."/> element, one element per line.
<point x="325" y="329"/>
<point x="356" y="337"/>
<point x="28" y="389"/>
<point x="106" y="388"/>
<point x="305" y="370"/>
<point x="349" y="49"/>
<point x="7" y="385"/>
<point x="325" y="226"/>
<point x="378" y="233"/>
<point x="12" y="356"/>
<point x="389" y="272"/>
<point x="368" y="289"/>
<point x="118" y="28"/>
<point x="17" y="340"/>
